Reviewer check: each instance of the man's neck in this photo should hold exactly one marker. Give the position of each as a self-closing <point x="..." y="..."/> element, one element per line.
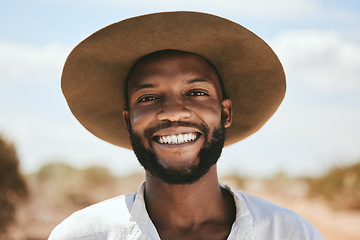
<point x="189" y="206"/>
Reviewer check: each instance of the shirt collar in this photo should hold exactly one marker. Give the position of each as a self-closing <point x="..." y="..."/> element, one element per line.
<point x="243" y="227"/>
<point x="141" y="226"/>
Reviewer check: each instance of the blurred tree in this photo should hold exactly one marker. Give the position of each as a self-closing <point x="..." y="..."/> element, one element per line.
<point x="340" y="186"/>
<point x="12" y="184"/>
<point x="65" y="185"/>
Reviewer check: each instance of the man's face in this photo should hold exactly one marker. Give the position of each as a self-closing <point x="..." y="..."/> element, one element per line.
<point x="176" y="115"/>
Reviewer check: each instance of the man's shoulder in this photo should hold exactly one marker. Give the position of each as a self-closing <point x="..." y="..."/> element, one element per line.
<point x="272" y="220"/>
<point x="97" y="221"/>
<point x="260" y="207"/>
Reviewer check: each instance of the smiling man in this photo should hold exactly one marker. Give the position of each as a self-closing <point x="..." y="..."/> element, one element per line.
<point x="177" y="115"/>
<point x="182" y="85"/>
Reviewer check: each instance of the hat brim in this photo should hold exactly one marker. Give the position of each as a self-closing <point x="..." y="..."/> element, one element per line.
<point x="94" y="74"/>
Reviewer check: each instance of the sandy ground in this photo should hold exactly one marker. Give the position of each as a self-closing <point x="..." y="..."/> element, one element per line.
<point x="38" y="216"/>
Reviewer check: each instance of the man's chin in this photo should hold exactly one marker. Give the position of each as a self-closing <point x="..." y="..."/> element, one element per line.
<point x="183" y="163"/>
<point x="177" y="176"/>
<point x="180" y="173"/>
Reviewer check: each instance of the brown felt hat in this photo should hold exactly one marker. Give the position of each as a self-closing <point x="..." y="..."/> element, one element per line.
<point x="93" y="79"/>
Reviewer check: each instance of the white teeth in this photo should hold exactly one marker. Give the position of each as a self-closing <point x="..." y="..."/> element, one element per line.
<point x="191" y="136"/>
<point x="177" y="139"/>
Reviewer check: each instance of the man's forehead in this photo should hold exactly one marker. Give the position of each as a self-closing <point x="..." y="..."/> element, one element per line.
<point x="140" y="86"/>
<point x="150" y="65"/>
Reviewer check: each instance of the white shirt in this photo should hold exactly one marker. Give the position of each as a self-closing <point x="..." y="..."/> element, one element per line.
<point x="125" y="217"/>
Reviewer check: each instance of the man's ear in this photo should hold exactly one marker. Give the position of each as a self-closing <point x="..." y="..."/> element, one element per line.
<point x="227" y="112"/>
<point x="126" y="118"/>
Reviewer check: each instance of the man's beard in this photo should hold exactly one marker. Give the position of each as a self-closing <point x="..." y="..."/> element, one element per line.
<point x="208" y="156"/>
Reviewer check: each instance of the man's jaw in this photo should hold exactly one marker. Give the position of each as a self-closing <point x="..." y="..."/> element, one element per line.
<point x="149" y="157"/>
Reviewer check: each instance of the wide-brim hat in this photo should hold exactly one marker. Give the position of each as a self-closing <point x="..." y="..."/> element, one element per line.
<point x="95" y="72"/>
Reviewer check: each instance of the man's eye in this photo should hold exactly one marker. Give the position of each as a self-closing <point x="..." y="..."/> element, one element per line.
<point x="197" y="93"/>
<point x="147" y="99"/>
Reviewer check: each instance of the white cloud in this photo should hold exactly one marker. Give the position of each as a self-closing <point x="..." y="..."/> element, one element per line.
<point x="256" y="9"/>
<point x="319" y="60"/>
<point x="259" y="8"/>
<point x="22" y="62"/>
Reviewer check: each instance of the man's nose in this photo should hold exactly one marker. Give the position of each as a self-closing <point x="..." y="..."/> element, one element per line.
<point x="173" y="111"/>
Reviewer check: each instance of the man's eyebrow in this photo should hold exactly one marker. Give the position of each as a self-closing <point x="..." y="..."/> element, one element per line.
<point x="196" y="80"/>
<point x="146" y="85"/>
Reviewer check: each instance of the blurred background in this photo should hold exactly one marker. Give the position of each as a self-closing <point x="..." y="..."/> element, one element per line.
<point x="305" y="158"/>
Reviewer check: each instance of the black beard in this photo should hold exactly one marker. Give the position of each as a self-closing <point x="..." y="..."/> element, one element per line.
<point x="208" y="156"/>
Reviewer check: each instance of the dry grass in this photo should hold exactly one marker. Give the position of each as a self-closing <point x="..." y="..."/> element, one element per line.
<point x="64" y="185"/>
<point x="340" y="187"/>
<point x="57" y="190"/>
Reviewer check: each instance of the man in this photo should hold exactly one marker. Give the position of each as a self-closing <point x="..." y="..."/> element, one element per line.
<point x="175" y="82"/>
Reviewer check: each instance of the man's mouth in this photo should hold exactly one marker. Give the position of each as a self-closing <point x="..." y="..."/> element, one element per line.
<point x="177" y="139"/>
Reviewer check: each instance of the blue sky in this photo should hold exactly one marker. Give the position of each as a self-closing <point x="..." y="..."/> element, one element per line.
<point x="316" y="127"/>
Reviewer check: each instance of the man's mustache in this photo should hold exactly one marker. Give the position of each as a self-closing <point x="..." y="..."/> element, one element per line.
<point x="148" y="133"/>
